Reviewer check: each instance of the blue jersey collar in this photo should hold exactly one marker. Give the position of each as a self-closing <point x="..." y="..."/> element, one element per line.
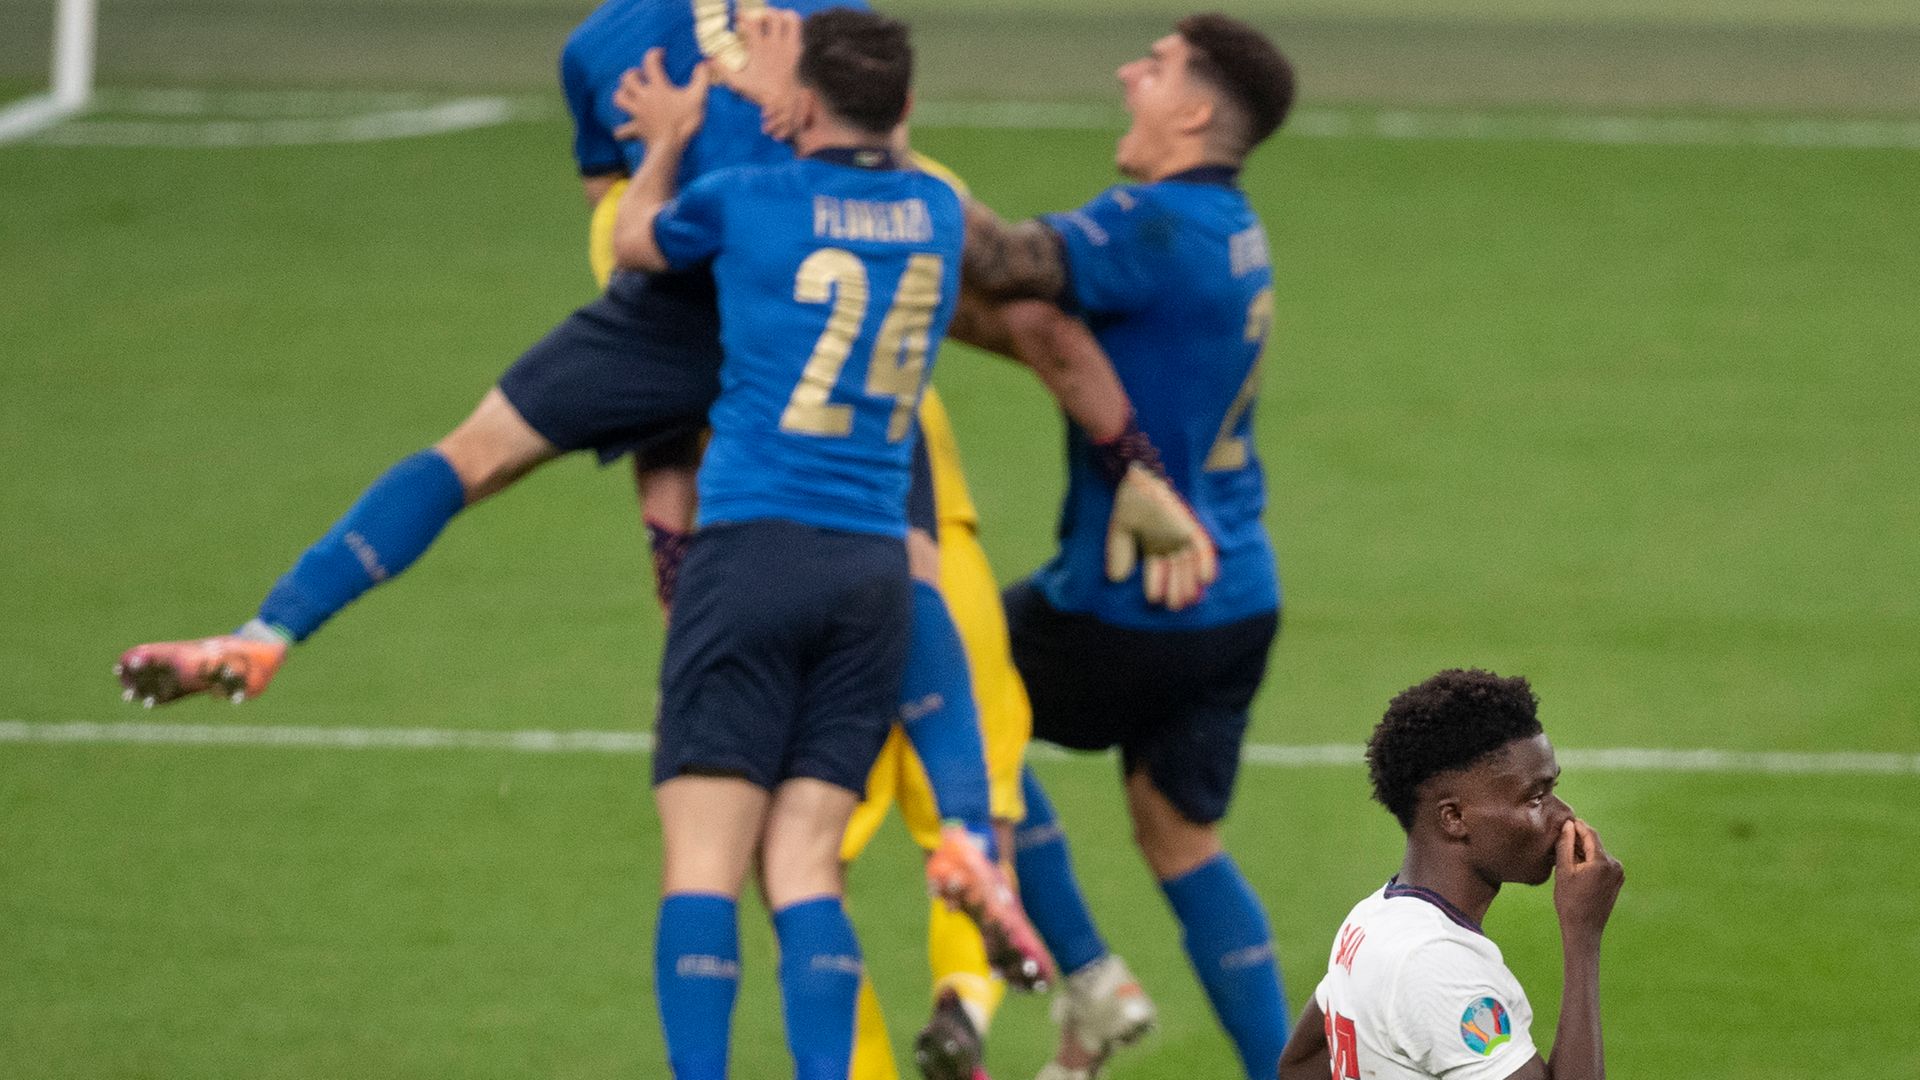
<point x="1225" y="176"/>
<point x="859" y="157"/>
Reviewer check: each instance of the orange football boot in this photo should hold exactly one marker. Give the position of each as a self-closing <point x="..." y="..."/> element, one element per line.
<point x="961" y="875"/>
<point x="229" y="666"/>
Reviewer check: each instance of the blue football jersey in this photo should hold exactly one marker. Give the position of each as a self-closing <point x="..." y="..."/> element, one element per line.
<point x="1173" y="278"/>
<point x="837" y="276"/>
<point x="617" y="34"/>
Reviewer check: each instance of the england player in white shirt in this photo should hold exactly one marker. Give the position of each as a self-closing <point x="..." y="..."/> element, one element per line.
<point x="1413" y="987"/>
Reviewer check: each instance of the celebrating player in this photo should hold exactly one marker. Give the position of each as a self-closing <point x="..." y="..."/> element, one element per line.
<point x="835" y="273"/>
<point x="967" y="992"/>
<point x="1171" y="272"/>
<point x="1414" y="988"/>
<point x="635" y="370"/>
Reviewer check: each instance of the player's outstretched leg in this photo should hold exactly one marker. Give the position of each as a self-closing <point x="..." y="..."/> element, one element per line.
<point x="959" y="873"/>
<point x="942" y="722"/>
<point x="1223" y="925"/>
<point x="392" y="523"/>
<point x="938" y="713"/>
<point x="233" y="666"/>
<point x="1101" y="1006"/>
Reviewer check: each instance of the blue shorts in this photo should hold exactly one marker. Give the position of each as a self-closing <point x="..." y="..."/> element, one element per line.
<point x="1174" y="701"/>
<point x="921" y="513"/>
<point x="636" y="369"/>
<point x="784" y="655"/>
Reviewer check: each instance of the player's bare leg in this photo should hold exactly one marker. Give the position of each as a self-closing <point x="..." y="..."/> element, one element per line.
<point x="708" y="828"/>
<point x="491" y="449"/>
<point x="800" y="851"/>
<point x="959" y="873"/>
<point x="1170" y="844"/>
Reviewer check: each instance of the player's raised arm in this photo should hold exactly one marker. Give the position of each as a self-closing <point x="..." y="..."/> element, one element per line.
<point x="1586" y="881"/>
<point x="665" y="117"/>
<point x="1151" y="523"/>
<point x="1011" y="261"/>
<point x="767" y="75"/>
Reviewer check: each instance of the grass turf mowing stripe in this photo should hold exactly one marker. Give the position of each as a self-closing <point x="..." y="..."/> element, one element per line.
<point x="208" y="118"/>
<point x="1621" y="759"/>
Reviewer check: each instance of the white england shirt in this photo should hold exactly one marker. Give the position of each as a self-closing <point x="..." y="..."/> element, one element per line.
<point x="1414" y="989"/>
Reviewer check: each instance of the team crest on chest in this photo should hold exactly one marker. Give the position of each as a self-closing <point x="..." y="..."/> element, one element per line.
<point x="1485" y="1025"/>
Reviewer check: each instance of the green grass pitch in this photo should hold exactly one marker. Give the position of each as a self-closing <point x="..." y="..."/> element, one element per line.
<point x="1637" y="422"/>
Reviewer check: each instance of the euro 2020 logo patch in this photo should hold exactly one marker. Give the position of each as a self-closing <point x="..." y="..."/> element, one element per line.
<point x="1485" y="1025"/>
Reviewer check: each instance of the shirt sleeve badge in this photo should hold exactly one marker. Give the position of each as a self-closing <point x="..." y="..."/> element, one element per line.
<point x="1485" y="1026"/>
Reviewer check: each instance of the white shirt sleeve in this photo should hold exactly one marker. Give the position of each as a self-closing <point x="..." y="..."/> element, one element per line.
<point x="1459" y="1014"/>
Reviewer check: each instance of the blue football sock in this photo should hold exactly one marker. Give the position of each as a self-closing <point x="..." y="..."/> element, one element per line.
<point x="391" y="524"/>
<point x="696" y="970"/>
<point x="1227" y="939"/>
<point x="1047" y="885"/>
<point x="941" y="719"/>
<point x="819" y="984"/>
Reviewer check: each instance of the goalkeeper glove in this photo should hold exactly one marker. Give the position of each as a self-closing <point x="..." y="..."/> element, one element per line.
<point x="1152" y="524"/>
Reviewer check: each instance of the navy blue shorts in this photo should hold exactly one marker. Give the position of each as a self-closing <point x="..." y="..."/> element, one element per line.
<point x="1174" y="701"/>
<point x="921" y="513"/>
<point x="784" y="655"/>
<point x="635" y="369"/>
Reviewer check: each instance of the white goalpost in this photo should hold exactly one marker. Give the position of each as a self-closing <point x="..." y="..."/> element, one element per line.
<point x="71" y="86"/>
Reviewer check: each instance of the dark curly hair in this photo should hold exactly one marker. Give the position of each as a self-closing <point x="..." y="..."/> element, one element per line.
<point x="1448" y="722"/>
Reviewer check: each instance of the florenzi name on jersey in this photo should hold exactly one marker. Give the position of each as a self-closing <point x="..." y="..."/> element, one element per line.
<point x="1247" y="250"/>
<point x="904" y="222"/>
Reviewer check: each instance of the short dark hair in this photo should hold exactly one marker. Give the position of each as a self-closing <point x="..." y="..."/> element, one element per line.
<point x="861" y="64"/>
<point x="1451" y="721"/>
<point x="1243" y="64"/>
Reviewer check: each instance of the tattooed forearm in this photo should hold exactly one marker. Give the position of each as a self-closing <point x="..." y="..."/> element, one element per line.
<point x="1011" y="262"/>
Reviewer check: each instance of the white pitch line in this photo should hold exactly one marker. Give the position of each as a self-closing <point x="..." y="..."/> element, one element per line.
<point x="1443" y="125"/>
<point x="250" y="118"/>
<point x="1268" y="755"/>
<point x="463" y="114"/>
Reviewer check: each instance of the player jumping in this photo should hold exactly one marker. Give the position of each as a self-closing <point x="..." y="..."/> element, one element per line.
<point x="836" y="273"/>
<point x="1172" y="274"/>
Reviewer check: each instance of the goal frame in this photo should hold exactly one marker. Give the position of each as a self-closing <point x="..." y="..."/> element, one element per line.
<point x="70" y="88"/>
